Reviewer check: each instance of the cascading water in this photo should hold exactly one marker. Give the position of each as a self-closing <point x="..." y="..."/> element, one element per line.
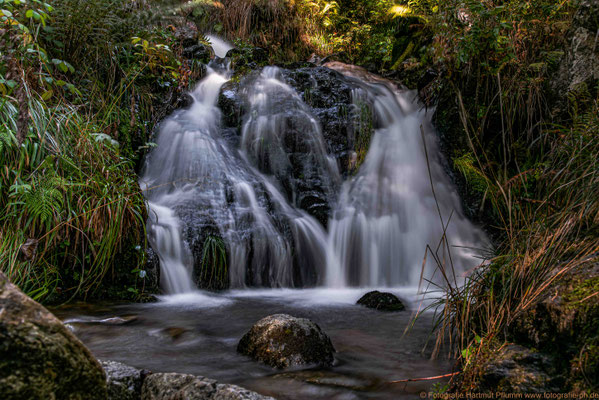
<point x="195" y="173"/>
<point x="387" y="213"/>
<point x="263" y="194"/>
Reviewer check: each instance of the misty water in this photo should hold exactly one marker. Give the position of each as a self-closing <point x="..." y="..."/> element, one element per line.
<point x="267" y="209"/>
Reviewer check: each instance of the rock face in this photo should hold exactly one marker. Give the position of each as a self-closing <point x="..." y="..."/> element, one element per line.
<point x="124" y="382"/>
<point x="579" y="70"/>
<point x="516" y="369"/>
<point x="381" y="301"/>
<point x="190" y="387"/>
<point x="283" y="341"/>
<point x="564" y="323"/>
<point x="39" y="357"/>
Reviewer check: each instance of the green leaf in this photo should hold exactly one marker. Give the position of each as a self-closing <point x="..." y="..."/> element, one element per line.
<point x="6" y="13"/>
<point x="29" y="13"/>
<point x="47" y="95"/>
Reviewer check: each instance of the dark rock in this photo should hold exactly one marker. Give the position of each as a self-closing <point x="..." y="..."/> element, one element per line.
<point x="329" y="95"/>
<point x="578" y="72"/>
<point x="124" y="382"/>
<point x="231" y="104"/>
<point x="189" y="387"/>
<point x="187" y="35"/>
<point x="39" y="357"/>
<point x="199" y="52"/>
<point x="381" y="301"/>
<point x="564" y="322"/>
<point x="283" y="341"/>
<point x="516" y="369"/>
<point x="152" y="268"/>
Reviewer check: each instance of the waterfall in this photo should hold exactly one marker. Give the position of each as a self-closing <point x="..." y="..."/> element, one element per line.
<point x="387" y="213"/>
<point x="268" y="193"/>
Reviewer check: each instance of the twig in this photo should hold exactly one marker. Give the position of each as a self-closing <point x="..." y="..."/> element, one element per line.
<point x="429" y="378"/>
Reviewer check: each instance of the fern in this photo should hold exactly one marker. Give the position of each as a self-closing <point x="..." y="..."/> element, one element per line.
<point x="43" y="202"/>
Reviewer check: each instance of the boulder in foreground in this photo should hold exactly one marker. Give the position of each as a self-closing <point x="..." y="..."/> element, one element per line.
<point x="381" y="301"/>
<point x="283" y="341"/>
<point x="39" y="357"/>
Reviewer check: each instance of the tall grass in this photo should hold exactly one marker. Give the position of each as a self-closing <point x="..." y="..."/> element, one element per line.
<point x="548" y="216"/>
<point x="68" y="189"/>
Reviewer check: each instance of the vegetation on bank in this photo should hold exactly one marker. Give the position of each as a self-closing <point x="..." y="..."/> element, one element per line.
<point x="81" y="84"/>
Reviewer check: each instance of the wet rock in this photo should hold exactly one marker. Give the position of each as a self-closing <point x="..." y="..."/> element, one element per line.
<point x="331" y="379"/>
<point x="199" y="52"/>
<point x="124" y="382"/>
<point x="189" y="387"/>
<point x="39" y="357"/>
<point x="188" y="38"/>
<point x="283" y="341"/>
<point x="516" y="369"/>
<point x="152" y="269"/>
<point x="329" y="95"/>
<point x="381" y="301"/>
<point x="175" y="332"/>
<point x="231" y="104"/>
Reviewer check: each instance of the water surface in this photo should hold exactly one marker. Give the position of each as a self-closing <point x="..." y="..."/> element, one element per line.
<point x="198" y="333"/>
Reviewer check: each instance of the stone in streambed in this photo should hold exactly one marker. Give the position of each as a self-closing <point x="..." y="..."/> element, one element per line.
<point x="39" y="357"/>
<point x="175" y="386"/>
<point x="124" y="382"/>
<point x="381" y="301"/>
<point x="283" y="341"/>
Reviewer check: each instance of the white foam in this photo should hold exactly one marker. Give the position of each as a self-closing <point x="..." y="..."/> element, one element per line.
<point x="196" y="299"/>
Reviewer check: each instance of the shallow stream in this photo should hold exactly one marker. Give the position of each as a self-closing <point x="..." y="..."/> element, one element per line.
<point x="198" y="333"/>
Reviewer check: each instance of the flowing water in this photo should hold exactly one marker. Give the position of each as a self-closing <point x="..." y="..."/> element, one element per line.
<point x="273" y="199"/>
<point x="198" y="334"/>
<point x="400" y="201"/>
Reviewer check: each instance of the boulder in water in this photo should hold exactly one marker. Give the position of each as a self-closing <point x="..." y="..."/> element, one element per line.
<point x="382" y="301"/>
<point x="283" y="341"/>
<point x="39" y="357"/>
<point x="189" y="387"/>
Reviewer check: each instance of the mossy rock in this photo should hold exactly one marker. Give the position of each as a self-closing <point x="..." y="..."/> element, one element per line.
<point x="381" y="301"/>
<point x="39" y="357"/>
<point x="283" y="341"/>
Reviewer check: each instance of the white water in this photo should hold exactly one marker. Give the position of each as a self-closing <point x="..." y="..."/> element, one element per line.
<point x="199" y="182"/>
<point x="387" y="214"/>
<point x="220" y="47"/>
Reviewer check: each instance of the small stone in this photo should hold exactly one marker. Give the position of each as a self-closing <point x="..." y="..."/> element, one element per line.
<point x="124" y="382"/>
<point x="381" y="301"/>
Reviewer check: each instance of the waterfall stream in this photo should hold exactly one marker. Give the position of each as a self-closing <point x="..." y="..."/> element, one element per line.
<point x="257" y="196"/>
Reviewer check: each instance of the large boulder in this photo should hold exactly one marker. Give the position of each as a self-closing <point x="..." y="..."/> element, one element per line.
<point x="174" y="386"/>
<point x="283" y="341"/>
<point x="39" y="357"/>
<point x="381" y="301"/>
